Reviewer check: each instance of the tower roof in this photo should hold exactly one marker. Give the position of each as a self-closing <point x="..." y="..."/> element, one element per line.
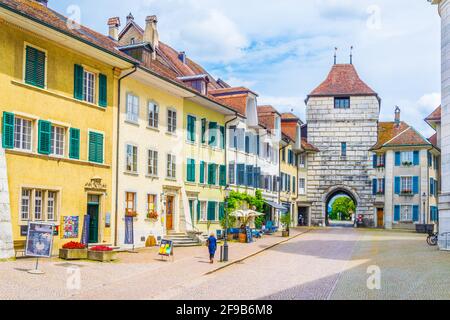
<point x="342" y="80"/>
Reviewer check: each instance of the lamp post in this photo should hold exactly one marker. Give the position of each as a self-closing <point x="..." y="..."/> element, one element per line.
<point x="424" y="199"/>
<point x="225" y="245"/>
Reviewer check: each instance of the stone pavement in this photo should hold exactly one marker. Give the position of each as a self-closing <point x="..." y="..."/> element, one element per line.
<point x="133" y="276"/>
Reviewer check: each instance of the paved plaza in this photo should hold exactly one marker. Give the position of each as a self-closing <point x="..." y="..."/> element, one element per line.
<point x="314" y="264"/>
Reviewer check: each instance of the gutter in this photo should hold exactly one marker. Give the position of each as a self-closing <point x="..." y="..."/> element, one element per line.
<point x="116" y="206"/>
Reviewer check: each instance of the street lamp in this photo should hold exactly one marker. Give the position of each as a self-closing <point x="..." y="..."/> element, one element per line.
<point x="225" y="245"/>
<point x="424" y="199"/>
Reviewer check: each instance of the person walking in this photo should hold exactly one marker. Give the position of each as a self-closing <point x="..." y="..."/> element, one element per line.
<point x="212" y="247"/>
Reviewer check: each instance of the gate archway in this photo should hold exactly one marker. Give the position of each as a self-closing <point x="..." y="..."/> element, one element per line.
<point x="332" y="195"/>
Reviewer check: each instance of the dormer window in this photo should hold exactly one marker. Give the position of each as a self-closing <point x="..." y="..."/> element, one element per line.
<point x="342" y="103"/>
<point x="198" y="82"/>
<point x="132" y="41"/>
<point x="199" y="85"/>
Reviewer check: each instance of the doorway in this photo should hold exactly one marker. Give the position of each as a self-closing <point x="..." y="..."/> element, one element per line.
<point x="169" y="212"/>
<point x="93" y="208"/>
<point x="380" y="217"/>
<point x="191" y="211"/>
<point x="303" y="217"/>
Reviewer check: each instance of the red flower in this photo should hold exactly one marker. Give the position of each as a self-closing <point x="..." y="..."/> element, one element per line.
<point x="101" y="248"/>
<point x="74" y="245"/>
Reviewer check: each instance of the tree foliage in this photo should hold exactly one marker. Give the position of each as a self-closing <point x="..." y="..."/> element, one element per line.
<point x="343" y="207"/>
<point x="238" y="200"/>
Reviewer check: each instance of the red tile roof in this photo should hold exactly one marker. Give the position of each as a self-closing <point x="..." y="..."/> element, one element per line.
<point x="433" y="140"/>
<point x="42" y="14"/>
<point x="342" y="80"/>
<point x="308" y="146"/>
<point x="287" y="116"/>
<point x="435" y="115"/>
<point x="392" y="135"/>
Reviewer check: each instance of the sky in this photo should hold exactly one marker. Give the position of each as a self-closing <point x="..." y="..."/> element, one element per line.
<point x="283" y="49"/>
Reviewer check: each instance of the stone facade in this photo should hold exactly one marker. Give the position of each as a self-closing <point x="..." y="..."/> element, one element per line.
<point x="6" y="234"/>
<point x="328" y="171"/>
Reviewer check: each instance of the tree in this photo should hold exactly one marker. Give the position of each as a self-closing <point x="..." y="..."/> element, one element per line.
<point x="343" y="207"/>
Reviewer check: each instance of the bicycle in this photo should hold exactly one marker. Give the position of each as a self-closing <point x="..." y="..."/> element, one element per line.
<point x="432" y="239"/>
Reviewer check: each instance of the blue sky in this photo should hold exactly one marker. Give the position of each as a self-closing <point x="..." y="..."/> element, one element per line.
<point x="283" y="49"/>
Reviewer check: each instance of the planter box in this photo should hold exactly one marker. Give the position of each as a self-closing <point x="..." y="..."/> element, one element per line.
<point x="242" y="238"/>
<point x="285" y="234"/>
<point x="102" y="256"/>
<point x="73" y="254"/>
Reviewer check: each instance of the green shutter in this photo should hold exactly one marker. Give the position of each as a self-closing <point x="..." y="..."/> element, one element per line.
<point x="203" y="130"/>
<point x="198" y="211"/>
<point x="213" y="134"/>
<point x="102" y="90"/>
<point x="74" y="148"/>
<point x="44" y="136"/>
<point x="202" y="172"/>
<point x="212" y="211"/>
<point x="212" y="168"/>
<point x="35" y="67"/>
<point x="78" y="82"/>
<point x="222" y="137"/>
<point x="223" y="176"/>
<point x="8" y="130"/>
<point x="95" y="147"/>
<point x="191" y="128"/>
<point x="190" y="170"/>
<point x="221" y="211"/>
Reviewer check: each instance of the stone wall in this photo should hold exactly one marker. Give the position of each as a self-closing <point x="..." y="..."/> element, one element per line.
<point x="6" y="234"/>
<point x="327" y="129"/>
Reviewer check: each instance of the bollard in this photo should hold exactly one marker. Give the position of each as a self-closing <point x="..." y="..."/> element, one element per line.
<point x="221" y="253"/>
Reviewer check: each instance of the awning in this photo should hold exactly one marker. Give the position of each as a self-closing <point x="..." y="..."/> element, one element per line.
<point x="276" y="206"/>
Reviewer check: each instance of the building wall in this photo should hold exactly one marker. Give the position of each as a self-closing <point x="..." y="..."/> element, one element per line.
<point x="289" y="198"/>
<point x="56" y="104"/>
<point x="327" y="128"/>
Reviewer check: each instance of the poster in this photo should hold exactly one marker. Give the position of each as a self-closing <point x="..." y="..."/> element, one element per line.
<point x="129" y="232"/>
<point x="85" y="232"/>
<point x="70" y="225"/>
<point x="249" y="233"/>
<point x="39" y="240"/>
<point x="166" y="248"/>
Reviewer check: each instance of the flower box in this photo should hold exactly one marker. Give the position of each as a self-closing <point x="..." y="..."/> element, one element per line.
<point x="131" y="214"/>
<point x="102" y="254"/>
<point x="152" y="215"/>
<point x="73" y="254"/>
<point x="407" y="163"/>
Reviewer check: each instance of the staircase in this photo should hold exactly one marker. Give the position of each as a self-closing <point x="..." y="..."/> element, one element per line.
<point x="182" y="239"/>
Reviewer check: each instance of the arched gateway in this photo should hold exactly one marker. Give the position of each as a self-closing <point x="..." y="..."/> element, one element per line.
<point x="342" y="122"/>
<point x="332" y="194"/>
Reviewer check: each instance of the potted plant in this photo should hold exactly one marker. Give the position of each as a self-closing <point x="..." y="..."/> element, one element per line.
<point x="152" y="215"/>
<point x="286" y="222"/>
<point x="73" y="251"/>
<point x="407" y="163"/>
<point x="231" y="223"/>
<point x="102" y="254"/>
<point x="129" y="213"/>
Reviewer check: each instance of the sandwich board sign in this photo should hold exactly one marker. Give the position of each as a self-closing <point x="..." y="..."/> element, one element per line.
<point x="166" y="248"/>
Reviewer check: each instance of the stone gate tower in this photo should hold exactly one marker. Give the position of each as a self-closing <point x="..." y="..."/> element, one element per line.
<point x="342" y="116"/>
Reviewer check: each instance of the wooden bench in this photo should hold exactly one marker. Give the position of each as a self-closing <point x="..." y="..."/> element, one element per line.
<point x="19" y="246"/>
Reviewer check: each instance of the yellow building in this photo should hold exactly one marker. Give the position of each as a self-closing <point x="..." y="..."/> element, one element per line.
<point x="58" y="84"/>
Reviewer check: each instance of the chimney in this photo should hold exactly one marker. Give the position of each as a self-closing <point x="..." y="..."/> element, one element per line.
<point x="114" y="24"/>
<point x="130" y="17"/>
<point x="397" y="116"/>
<point x="182" y="57"/>
<point x="43" y="2"/>
<point x="151" y="33"/>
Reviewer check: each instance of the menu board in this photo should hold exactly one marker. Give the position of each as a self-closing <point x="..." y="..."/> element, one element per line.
<point x="166" y="248"/>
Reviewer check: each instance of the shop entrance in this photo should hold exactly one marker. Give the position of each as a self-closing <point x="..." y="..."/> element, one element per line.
<point x="169" y="212"/>
<point x="303" y="216"/>
<point x="93" y="208"/>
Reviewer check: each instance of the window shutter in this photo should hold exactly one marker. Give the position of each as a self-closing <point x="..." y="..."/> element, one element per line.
<point x="102" y="90"/>
<point x="190" y="172"/>
<point x="198" y="210"/>
<point x="222" y="137"/>
<point x="44" y="135"/>
<point x="74" y="148"/>
<point x="430" y="159"/>
<point x="95" y="147"/>
<point x="35" y="67"/>
<point x="416" y="158"/>
<point x="415" y="213"/>
<point x="223" y="176"/>
<point x="416" y="185"/>
<point x="396" y="213"/>
<point x="191" y="128"/>
<point x="398" y="159"/>
<point x="213" y="134"/>
<point x="257" y="145"/>
<point x="374" y="186"/>
<point x="78" y="82"/>
<point x="374" y="160"/>
<point x="202" y="172"/>
<point x="211" y="211"/>
<point x="431" y="186"/>
<point x="203" y="130"/>
<point x="221" y="211"/>
<point x="8" y="130"/>
<point x="397" y="185"/>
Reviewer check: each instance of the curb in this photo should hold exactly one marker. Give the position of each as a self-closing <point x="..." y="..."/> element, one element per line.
<point x="257" y="252"/>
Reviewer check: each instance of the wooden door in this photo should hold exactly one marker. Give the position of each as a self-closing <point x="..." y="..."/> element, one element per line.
<point x="169" y="212"/>
<point x="380" y="218"/>
<point x="93" y="223"/>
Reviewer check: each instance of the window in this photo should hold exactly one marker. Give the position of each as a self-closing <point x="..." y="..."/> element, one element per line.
<point x="380" y="186"/>
<point x="343" y="149"/>
<point x="95" y="147"/>
<point x="38" y="205"/>
<point x="25" y="204"/>
<point x="132" y="41"/>
<point x="171" y="121"/>
<point x="89" y="86"/>
<point x="380" y="161"/>
<point x="190" y="172"/>
<point x="302" y="186"/>
<point x="153" y="115"/>
<point x="35" y="61"/>
<point x="171" y="166"/>
<point x="57" y="141"/>
<point x="132" y="108"/>
<point x="406" y="185"/>
<point x="22" y="134"/>
<point x="152" y="163"/>
<point x="51" y="201"/>
<point x="407" y="157"/>
<point x="191" y="121"/>
<point x="203" y="172"/>
<point x="203" y="212"/>
<point x="342" y="103"/>
<point x="130" y="203"/>
<point x="302" y="160"/>
<point x="151" y="203"/>
<point x="132" y="154"/>
<point x="406" y="213"/>
<point x="232" y="173"/>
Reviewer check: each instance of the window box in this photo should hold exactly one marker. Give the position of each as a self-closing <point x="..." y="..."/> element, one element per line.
<point x="131" y="214"/>
<point x="380" y="193"/>
<point x="407" y="163"/>
<point x="152" y="215"/>
<point x="406" y="193"/>
<point x="381" y="166"/>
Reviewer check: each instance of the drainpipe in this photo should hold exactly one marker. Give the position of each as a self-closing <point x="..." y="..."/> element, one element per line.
<point x="116" y="206"/>
<point x="226" y="142"/>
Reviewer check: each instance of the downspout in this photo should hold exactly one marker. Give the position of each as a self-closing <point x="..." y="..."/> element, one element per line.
<point x="226" y="143"/>
<point x="116" y="206"/>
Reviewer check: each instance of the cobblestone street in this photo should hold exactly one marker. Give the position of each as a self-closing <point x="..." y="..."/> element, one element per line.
<point x="319" y="264"/>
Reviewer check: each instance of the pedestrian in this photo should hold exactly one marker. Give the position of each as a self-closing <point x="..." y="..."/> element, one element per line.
<point x="212" y="247"/>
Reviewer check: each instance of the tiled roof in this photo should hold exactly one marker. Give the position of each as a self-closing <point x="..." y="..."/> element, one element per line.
<point x="267" y="109"/>
<point x="342" y="80"/>
<point x="38" y="12"/>
<point x="289" y="116"/>
<point x="308" y="146"/>
<point x="435" y="115"/>
<point x="433" y="140"/>
<point x="392" y="135"/>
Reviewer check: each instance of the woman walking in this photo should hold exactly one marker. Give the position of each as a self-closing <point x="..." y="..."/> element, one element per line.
<point x="212" y="247"/>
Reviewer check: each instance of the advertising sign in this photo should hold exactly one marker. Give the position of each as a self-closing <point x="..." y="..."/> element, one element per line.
<point x="129" y="232"/>
<point x="70" y="225"/>
<point x="166" y="248"/>
<point x="39" y="240"/>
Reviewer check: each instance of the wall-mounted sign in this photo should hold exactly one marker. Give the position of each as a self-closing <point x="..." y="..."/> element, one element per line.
<point x="70" y="227"/>
<point x="166" y="248"/>
<point x="39" y="240"/>
<point x="108" y="220"/>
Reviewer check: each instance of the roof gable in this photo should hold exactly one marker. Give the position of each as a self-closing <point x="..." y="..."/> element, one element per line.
<point x="392" y="135"/>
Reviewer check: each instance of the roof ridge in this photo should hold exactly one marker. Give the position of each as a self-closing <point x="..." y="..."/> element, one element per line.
<point x="398" y="135"/>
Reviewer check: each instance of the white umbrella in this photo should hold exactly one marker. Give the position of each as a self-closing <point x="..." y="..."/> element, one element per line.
<point x="246" y="213"/>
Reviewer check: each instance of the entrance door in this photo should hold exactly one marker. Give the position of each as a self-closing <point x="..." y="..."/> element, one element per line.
<point x="92" y="211"/>
<point x="169" y="212"/>
<point x="380" y="218"/>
